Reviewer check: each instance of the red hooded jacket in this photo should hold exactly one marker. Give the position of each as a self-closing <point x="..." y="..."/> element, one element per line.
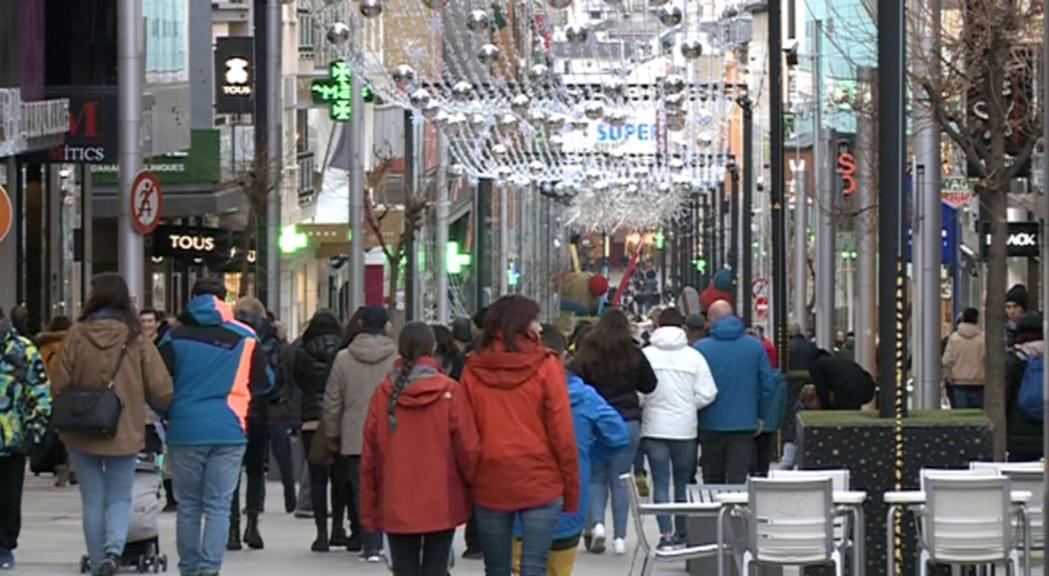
<point x="520" y="401"/>
<point x="414" y="480"/>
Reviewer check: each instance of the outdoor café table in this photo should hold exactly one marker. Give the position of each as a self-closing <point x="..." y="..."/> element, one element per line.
<point x="852" y="500"/>
<point x="702" y="527"/>
<point x="908" y="498"/>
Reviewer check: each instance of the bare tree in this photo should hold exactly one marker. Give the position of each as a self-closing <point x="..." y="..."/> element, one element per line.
<point x="976" y="79"/>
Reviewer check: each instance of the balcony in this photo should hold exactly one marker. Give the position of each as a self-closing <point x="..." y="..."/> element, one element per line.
<point x="30" y="125"/>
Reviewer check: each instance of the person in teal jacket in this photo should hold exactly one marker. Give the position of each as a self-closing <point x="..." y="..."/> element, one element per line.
<point x="746" y="402"/>
<point x="600" y="432"/>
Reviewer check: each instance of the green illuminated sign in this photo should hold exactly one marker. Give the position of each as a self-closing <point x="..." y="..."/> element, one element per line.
<point x="291" y="240"/>
<point x="661" y="240"/>
<point x="337" y="92"/>
<point x="701" y="265"/>
<point x="513" y="277"/>
<point x="849" y="255"/>
<point x="454" y="261"/>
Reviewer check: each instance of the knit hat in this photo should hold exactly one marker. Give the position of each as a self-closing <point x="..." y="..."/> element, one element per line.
<point x="723" y="280"/>
<point x="374" y="319"/>
<point x="1030" y="324"/>
<point x="695" y="321"/>
<point x="1017" y="295"/>
<point x="462" y="330"/>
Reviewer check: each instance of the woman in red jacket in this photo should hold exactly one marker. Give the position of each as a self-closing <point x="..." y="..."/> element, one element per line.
<point x="420" y="452"/>
<point x="529" y="463"/>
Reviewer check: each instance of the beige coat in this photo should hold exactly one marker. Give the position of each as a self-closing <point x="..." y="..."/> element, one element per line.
<point x="88" y="358"/>
<point x="963" y="360"/>
<point x="356" y="373"/>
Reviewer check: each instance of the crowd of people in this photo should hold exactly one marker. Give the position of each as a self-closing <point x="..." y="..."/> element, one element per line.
<point x="521" y="433"/>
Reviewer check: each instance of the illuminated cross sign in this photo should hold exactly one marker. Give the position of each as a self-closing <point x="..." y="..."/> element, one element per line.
<point x="336" y="91"/>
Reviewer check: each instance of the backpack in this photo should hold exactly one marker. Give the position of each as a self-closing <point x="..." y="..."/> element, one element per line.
<point x="1031" y="398"/>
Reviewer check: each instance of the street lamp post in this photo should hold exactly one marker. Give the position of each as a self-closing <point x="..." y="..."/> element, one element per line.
<point x="778" y="204"/>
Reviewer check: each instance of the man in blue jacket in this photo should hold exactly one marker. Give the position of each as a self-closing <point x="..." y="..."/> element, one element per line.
<point x="600" y="432"/>
<point x="749" y="397"/>
<point x="217" y="366"/>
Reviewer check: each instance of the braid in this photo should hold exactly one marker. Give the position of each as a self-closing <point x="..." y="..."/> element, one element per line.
<point x="399" y="384"/>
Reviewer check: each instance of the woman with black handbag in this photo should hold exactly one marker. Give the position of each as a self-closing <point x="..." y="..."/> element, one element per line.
<point x="104" y="376"/>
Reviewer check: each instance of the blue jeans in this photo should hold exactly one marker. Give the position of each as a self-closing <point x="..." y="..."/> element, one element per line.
<point x="204" y="478"/>
<point x="605" y="477"/>
<point x="968" y="396"/>
<point x="664" y="455"/>
<point x="496" y="528"/>
<point x="105" y="493"/>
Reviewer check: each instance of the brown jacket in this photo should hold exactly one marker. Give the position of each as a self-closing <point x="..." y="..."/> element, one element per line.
<point x="88" y="358"/>
<point x="357" y="372"/>
<point x="963" y="360"/>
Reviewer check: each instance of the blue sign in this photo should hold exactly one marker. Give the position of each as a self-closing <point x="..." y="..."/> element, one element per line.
<point x="626" y="132"/>
<point x="949" y="232"/>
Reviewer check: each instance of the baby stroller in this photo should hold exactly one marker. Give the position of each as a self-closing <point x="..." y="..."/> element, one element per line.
<point x="142" y="550"/>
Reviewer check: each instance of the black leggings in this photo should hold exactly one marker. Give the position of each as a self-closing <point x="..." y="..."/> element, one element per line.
<point x="340" y="488"/>
<point x="421" y="554"/>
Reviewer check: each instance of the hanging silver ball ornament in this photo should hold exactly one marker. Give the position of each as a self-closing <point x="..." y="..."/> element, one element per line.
<point x="506" y="122"/>
<point x="499" y="150"/>
<point x="370" y="8"/>
<point x="431" y="109"/>
<point x="617" y="154"/>
<point x="682" y="184"/>
<point x="456" y="170"/>
<point x="676" y="164"/>
<point x="338" y="33"/>
<point x="613" y="87"/>
<point x="538" y="72"/>
<point x="555" y="122"/>
<point x="616" y="118"/>
<point x="403" y="75"/>
<point x="536" y="117"/>
<point x="420" y="98"/>
<point x="556" y="143"/>
<point x="441" y="119"/>
<point x="478" y="122"/>
<point x="519" y="104"/>
<point x="663" y="188"/>
<point x="504" y="172"/>
<point x="579" y="124"/>
<point x="705" y="139"/>
<point x="673" y="84"/>
<point x="565" y="189"/>
<point x="456" y="123"/>
<point x="462" y="90"/>
<point x="594" y="110"/>
<point x="435" y="4"/>
<point x="691" y="48"/>
<point x="674" y="101"/>
<point x="676" y="120"/>
<point x="559" y="4"/>
<point x="670" y="16"/>
<point x="577" y="33"/>
<point x="478" y="21"/>
<point x="488" y="55"/>
<point x="594" y="174"/>
<point x="536" y="167"/>
<point x="639" y="172"/>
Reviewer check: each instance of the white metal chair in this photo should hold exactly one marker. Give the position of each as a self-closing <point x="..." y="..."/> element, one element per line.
<point x="967" y="521"/>
<point x="1026" y="478"/>
<point x="654" y="555"/>
<point x="962" y="474"/>
<point x="791" y="523"/>
<point x="839" y="478"/>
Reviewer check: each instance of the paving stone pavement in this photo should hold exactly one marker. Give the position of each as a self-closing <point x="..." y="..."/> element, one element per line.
<point x="52" y="543"/>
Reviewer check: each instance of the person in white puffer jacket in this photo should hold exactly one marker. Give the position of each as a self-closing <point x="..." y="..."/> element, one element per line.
<point x="669" y="416"/>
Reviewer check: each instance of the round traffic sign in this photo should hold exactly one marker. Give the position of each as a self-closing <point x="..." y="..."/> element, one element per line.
<point x="6" y="214"/>
<point x="761" y="308"/>
<point x="147" y="202"/>
<point x="759" y="287"/>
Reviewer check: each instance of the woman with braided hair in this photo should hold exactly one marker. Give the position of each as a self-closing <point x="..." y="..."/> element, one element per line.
<point x="421" y="448"/>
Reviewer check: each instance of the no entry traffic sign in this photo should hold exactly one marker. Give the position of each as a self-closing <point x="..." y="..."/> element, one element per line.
<point x="6" y="214"/>
<point x="147" y="202"/>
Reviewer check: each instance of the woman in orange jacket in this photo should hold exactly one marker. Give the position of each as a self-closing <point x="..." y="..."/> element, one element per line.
<point x="420" y="451"/>
<point x="529" y="462"/>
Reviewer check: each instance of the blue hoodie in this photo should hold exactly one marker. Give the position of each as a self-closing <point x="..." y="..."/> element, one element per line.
<point x="748" y="387"/>
<point x="217" y="366"/>
<point x="600" y="432"/>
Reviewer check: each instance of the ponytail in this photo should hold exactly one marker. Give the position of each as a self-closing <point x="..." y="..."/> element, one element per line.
<point x="400" y="382"/>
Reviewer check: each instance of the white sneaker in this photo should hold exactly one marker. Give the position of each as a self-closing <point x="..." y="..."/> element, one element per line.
<point x="598" y="535"/>
<point x="619" y="545"/>
<point x="374" y="559"/>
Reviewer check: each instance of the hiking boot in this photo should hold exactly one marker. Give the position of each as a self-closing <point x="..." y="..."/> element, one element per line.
<point x="233" y="541"/>
<point x="251" y="533"/>
<point x="321" y="543"/>
<point x="339" y="539"/>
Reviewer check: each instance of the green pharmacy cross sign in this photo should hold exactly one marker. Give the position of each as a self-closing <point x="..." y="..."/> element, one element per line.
<point x="336" y="91"/>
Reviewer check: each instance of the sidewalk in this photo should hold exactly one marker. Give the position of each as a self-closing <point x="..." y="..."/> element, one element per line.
<point x="52" y="542"/>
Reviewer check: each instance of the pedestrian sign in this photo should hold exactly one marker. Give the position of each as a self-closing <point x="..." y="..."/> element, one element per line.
<point x="336" y="91"/>
<point x="147" y="202"/>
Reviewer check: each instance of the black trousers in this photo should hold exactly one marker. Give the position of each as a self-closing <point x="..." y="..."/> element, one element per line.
<point x="764" y="446"/>
<point x="12" y="477"/>
<point x="372" y="543"/>
<point x="255" y="466"/>
<point x="421" y="554"/>
<point x="320" y="474"/>
<point x="726" y="457"/>
<point x="280" y="442"/>
<point x="473" y="535"/>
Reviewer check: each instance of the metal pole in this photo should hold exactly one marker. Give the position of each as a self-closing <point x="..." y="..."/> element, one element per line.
<point x="274" y="157"/>
<point x="504" y="240"/>
<point x="481" y="250"/>
<point x="411" y="265"/>
<point x="734" y="253"/>
<point x="778" y="204"/>
<point x="748" y="206"/>
<point x="866" y="238"/>
<point x="918" y="307"/>
<point x="721" y="211"/>
<point x="441" y="251"/>
<point x="356" y="183"/>
<point x="129" y="17"/>
<point x="927" y="149"/>
<point x="87" y="233"/>
<point x="801" y="247"/>
<point x="1045" y="280"/>
<point x="892" y="147"/>
<point x="824" y="194"/>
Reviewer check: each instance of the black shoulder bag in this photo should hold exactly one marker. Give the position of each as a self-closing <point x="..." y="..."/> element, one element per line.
<point x="89" y="412"/>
